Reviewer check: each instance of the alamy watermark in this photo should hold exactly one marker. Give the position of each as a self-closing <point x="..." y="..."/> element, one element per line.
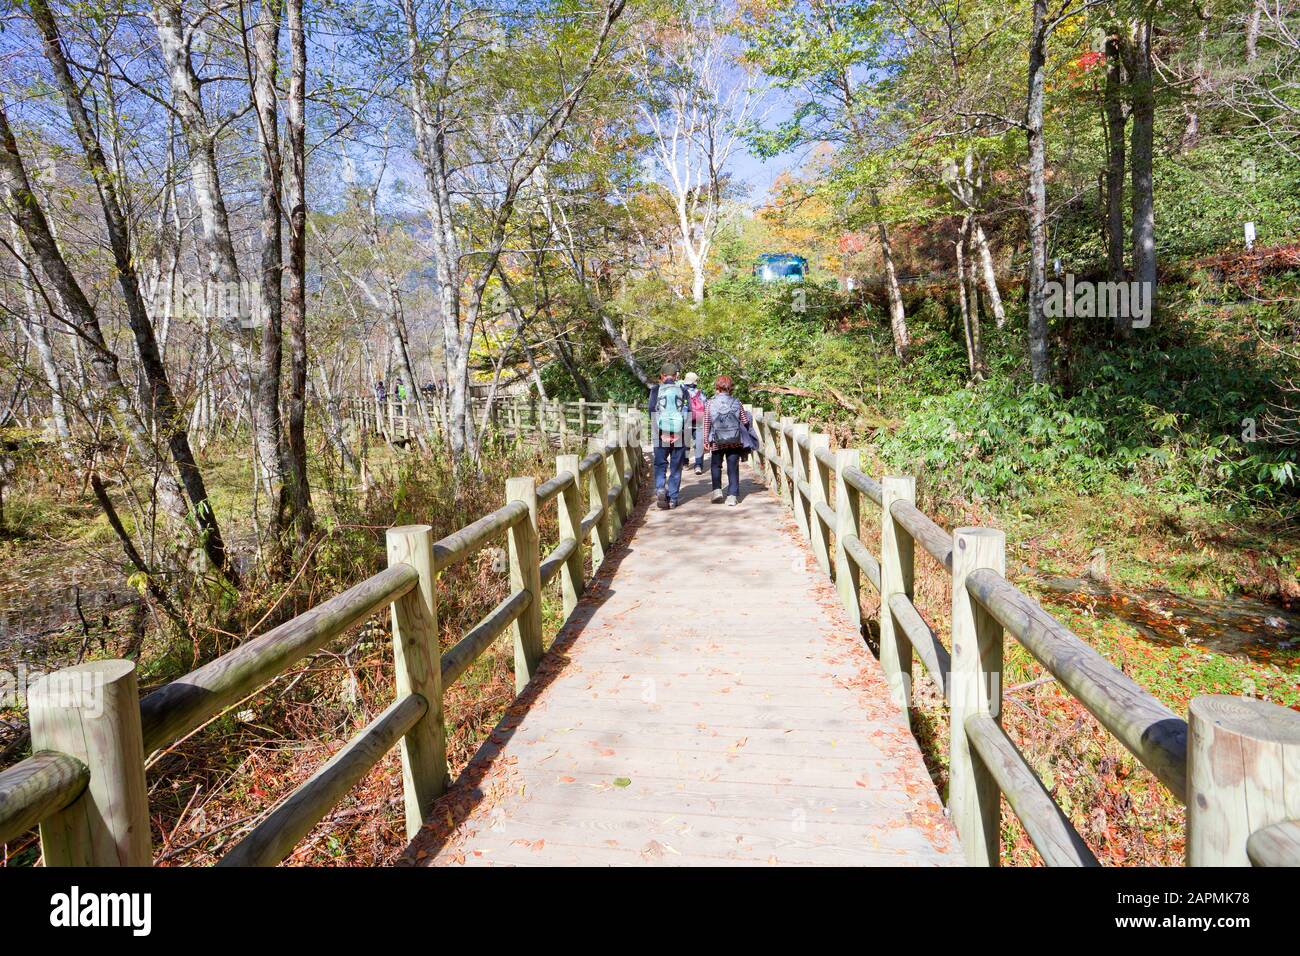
<point x="1084" y="299"/>
<point x="81" y="690"/>
<point x="227" y="302"/>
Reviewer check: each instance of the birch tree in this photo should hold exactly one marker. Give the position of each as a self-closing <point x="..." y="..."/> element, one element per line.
<point x="697" y="102"/>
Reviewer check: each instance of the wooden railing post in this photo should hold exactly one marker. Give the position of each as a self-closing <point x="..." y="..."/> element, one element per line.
<point x="848" y="509"/>
<point x="570" y="513"/>
<point x="820" y="484"/>
<point x="526" y="575"/>
<point x="772" y="458"/>
<point x="636" y="458"/>
<point x="787" y="460"/>
<point x="416" y="662"/>
<point x="92" y="712"/>
<point x="974" y="804"/>
<point x="1243" y="774"/>
<point x="800" y="458"/>
<point x="618" y="465"/>
<point x="897" y="556"/>
<point x="598" y="498"/>
<point x="582" y="418"/>
<point x="757" y="461"/>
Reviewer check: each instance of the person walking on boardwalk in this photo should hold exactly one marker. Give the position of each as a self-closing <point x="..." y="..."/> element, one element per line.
<point x="669" y="409"/>
<point x="695" y="395"/>
<point x="726" y="428"/>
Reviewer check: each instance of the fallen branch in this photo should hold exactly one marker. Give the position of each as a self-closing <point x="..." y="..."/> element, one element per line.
<point x="872" y="419"/>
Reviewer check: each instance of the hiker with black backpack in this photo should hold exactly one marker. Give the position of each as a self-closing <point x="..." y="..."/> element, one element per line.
<point x="726" y="428"/>
<point x="669" y="409"/>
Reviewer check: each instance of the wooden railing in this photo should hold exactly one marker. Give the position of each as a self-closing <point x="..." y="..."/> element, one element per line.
<point x="1234" y="762"/>
<point x="85" y="782"/>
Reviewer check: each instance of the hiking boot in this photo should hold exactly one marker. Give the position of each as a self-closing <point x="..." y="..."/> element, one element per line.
<point x="663" y="501"/>
<point x="731" y="501"/>
<point x="717" y="496"/>
<point x="699" y="470"/>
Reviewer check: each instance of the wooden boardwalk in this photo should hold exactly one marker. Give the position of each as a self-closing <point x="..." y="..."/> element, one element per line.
<point x="707" y="704"/>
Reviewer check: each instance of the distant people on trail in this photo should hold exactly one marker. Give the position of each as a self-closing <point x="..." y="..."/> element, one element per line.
<point x="695" y="395"/>
<point x="401" y="391"/>
<point x="670" y="408"/>
<point x="381" y="392"/>
<point x="728" y="437"/>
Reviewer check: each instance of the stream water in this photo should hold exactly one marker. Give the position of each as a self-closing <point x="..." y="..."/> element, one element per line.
<point x="1242" y="626"/>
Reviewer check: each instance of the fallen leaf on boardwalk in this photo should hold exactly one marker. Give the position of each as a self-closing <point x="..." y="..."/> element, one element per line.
<point x="622" y="782"/>
<point x="568" y="780"/>
<point x="653" y="850"/>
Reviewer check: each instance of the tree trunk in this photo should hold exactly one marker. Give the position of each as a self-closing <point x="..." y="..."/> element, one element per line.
<point x="298" y="488"/>
<point x="1192" y="131"/>
<point x="266" y="408"/>
<point x="989" y="275"/>
<point x="39" y="334"/>
<point x="222" y="266"/>
<point x="1252" y="30"/>
<point x="1039" y="357"/>
<point x="897" y="314"/>
<point x="966" y="300"/>
<point x="1142" y="146"/>
<point x="1113" y="104"/>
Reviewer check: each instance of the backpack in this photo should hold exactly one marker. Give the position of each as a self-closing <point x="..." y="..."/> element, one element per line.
<point x="724" y="422"/>
<point x="669" y="411"/>
<point x="697" y="405"/>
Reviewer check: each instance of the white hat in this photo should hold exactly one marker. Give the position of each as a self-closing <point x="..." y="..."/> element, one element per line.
<point x="691" y="378"/>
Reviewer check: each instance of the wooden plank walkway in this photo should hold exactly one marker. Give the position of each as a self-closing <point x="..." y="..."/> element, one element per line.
<point x="707" y="704"/>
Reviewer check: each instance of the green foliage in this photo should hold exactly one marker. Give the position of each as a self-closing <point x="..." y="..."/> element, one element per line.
<point x="1164" y="411"/>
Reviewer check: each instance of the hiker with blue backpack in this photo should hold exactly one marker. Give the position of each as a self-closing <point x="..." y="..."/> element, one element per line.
<point x="727" y="435"/>
<point x="669" y="409"/>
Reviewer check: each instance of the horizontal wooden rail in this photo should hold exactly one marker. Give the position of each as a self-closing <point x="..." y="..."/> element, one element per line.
<point x="1150" y="730"/>
<point x="589" y="520"/>
<point x="863" y="558"/>
<point x="275" y="837"/>
<point x="188" y="702"/>
<point x="863" y="483"/>
<point x="935" y="657"/>
<point x="1050" y="830"/>
<point x="825" y="513"/>
<point x="936" y="541"/>
<point x="552" y="563"/>
<point x="457" y="659"/>
<point x="36" y="788"/>
<point x="462" y="544"/>
<point x="552" y="487"/>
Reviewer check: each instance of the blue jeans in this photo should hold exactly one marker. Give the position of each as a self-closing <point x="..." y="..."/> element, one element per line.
<point x="697" y="442"/>
<point x="669" y="459"/>
<point x="732" y="456"/>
